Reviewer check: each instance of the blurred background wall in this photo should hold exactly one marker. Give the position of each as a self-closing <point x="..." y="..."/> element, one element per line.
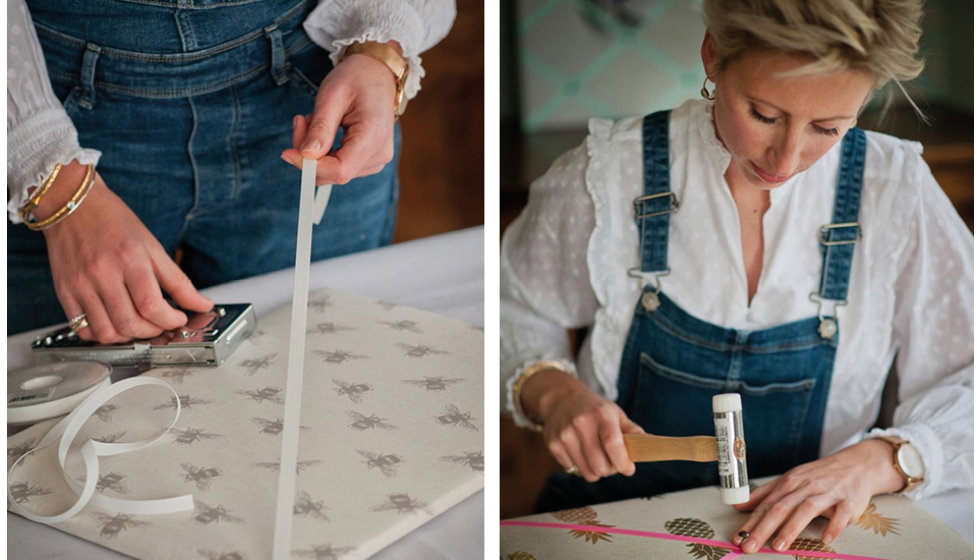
<point x="564" y="61"/>
<point x="441" y="166"/>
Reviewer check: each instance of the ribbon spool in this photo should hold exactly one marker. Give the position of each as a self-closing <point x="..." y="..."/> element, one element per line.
<point x="50" y="390"/>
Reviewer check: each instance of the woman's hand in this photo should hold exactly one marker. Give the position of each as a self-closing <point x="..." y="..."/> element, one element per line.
<point x="839" y="487"/>
<point x="581" y="428"/>
<point x="107" y="265"/>
<point x="359" y="94"/>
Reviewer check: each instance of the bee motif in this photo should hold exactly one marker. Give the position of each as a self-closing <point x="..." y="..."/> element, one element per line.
<point x="105" y="411"/>
<point x="178" y="375"/>
<point x="320" y="304"/>
<point x="272" y="427"/>
<point x="353" y="391"/>
<point x="22" y="492"/>
<point x="328" y="328"/>
<point x="207" y="514"/>
<point x="386" y="463"/>
<point x="253" y="366"/>
<point x="300" y="465"/>
<point x="256" y="335"/>
<point x="306" y="507"/>
<point x="402" y="503"/>
<point x="472" y="458"/>
<point x="186" y="401"/>
<point x="111" y="438"/>
<point x="265" y="394"/>
<point x="325" y="552"/>
<point x="20" y="449"/>
<point x="112" y="525"/>
<point x="452" y="416"/>
<point x="202" y="476"/>
<point x="420" y="350"/>
<point x="434" y="383"/>
<point x="191" y="435"/>
<point x="403" y="325"/>
<point x="338" y="356"/>
<point x="112" y="481"/>
<point x="362" y="422"/>
<point x="212" y="555"/>
<point x="387" y="305"/>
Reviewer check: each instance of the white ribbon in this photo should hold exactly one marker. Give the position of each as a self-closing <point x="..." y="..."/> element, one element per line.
<point x="67" y="430"/>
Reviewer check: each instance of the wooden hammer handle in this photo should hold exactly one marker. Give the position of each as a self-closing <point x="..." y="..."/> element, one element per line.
<point x="646" y="448"/>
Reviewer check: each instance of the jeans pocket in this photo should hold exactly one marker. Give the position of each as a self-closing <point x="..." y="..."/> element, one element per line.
<point x="774" y="411"/>
<point x="308" y="66"/>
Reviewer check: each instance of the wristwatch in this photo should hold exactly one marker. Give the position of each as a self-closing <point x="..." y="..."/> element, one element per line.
<point x="907" y="461"/>
<point x="387" y="55"/>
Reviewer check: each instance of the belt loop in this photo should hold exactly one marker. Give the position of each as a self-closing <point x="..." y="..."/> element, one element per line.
<point x="87" y="100"/>
<point x="279" y="64"/>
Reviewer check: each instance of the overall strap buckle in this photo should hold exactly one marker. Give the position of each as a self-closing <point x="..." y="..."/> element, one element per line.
<point x="840" y="234"/>
<point x="643" y="210"/>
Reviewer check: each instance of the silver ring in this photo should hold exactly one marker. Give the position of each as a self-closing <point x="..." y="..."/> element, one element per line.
<point x="77" y="323"/>
<point x="571" y="470"/>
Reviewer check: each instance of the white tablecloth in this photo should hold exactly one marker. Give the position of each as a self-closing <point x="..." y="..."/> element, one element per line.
<point x="442" y="274"/>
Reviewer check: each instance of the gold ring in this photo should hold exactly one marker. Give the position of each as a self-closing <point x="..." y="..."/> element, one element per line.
<point x="77" y="323"/>
<point x="571" y="470"/>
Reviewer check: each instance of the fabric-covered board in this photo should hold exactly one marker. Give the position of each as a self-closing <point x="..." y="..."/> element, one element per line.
<point x="391" y="435"/>
<point x="695" y="525"/>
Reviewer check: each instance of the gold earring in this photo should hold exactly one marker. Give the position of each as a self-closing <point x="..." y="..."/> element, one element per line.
<point x="704" y="90"/>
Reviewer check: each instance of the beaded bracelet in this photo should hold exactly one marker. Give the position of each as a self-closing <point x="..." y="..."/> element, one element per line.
<point x="73" y="203"/>
<point x="522" y="379"/>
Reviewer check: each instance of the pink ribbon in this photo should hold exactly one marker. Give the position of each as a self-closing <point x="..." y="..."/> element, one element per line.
<point x="735" y="551"/>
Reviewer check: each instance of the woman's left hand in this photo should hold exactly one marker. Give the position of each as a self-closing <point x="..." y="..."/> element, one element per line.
<point x="359" y="95"/>
<point x="839" y="487"/>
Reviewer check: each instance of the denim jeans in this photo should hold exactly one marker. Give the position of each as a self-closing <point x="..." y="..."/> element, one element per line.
<point x="191" y="107"/>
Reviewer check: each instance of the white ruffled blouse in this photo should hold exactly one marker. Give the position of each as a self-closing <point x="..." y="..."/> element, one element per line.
<point x="40" y="134"/>
<point x="564" y="266"/>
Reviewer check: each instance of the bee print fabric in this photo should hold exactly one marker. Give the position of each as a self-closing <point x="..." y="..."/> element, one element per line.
<point x="695" y="525"/>
<point x="391" y="435"/>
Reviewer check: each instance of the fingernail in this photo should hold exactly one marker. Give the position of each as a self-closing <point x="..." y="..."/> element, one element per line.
<point x="749" y="546"/>
<point x="779" y="545"/>
<point x="311" y="146"/>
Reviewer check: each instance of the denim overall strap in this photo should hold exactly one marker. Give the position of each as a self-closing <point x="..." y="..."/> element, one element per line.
<point x="838" y="238"/>
<point x="652" y="210"/>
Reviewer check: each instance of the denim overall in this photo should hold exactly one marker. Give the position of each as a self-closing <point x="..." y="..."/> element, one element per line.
<point x="191" y="103"/>
<point x="673" y="363"/>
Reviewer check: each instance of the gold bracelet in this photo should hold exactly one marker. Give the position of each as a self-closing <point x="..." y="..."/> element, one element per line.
<point x="35" y="199"/>
<point x="387" y="55"/>
<point x="522" y="379"/>
<point x="73" y="203"/>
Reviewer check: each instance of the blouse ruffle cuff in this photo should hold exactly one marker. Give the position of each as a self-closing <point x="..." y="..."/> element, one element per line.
<point x="333" y="28"/>
<point x="33" y="148"/>
<point x="929" y="446"/>
<point x="519" y="419"/>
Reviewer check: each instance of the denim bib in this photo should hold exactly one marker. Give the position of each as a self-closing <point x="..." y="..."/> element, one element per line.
<point x="673" y="363"/>
<point x="191" y="103"/>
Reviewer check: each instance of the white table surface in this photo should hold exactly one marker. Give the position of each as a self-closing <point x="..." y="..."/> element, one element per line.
<point x="442" y="274"/>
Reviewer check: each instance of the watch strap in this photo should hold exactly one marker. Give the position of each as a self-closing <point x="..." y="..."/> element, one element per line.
<point x="387" y="55"/>
<point x="896" y="442"/>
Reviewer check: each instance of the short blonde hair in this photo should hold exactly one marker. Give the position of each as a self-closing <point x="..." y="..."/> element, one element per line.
<point x="880" y="37"/>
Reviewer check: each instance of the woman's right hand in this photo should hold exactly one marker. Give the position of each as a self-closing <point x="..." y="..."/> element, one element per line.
<point x="107" y="265"/>
<point x="581" y="428"/>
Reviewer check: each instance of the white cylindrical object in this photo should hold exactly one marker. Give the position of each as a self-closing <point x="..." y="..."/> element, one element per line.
<point x="732" y="471"/>
<point x="55" y="389"/>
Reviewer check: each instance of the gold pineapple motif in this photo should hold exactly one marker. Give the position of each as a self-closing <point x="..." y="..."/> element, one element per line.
<point x="814" y="545"/>
<point x="521" y="555"/>
<point x="584" y="516"/>
<point x="877" y="522"/>
<point x="693" y="527"/>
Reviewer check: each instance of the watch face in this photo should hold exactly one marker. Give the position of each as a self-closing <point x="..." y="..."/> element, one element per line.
<point x="910" y="461"/>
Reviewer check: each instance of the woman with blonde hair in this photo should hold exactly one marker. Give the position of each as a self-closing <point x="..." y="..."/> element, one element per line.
<point x="752" y="242"/>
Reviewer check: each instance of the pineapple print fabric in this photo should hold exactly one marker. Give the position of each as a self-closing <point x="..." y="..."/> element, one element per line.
<point x="391" y="435"/>
<point x="695" y="525"/>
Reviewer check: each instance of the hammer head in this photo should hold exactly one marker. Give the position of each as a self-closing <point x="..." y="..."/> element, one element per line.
<point x="727" y="409"/>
